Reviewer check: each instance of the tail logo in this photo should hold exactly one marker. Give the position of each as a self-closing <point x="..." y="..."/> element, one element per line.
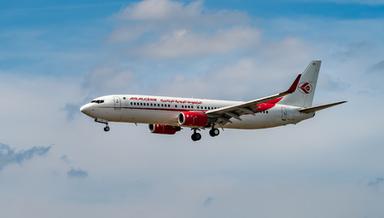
<point x="305" y="87"/>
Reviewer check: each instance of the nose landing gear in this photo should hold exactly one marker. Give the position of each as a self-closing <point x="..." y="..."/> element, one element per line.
<point x="106" y="128"/>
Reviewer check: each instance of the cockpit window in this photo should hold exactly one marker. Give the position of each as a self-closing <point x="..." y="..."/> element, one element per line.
<point x="97" y="101"/>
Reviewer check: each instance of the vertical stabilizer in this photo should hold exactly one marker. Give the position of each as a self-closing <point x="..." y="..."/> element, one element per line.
<point x="303" y="96"/>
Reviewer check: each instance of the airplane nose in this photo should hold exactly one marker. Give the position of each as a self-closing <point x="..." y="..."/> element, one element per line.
<point x="86" y="109"/>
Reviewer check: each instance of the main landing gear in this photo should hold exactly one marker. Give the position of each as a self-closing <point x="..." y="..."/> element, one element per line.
<point x="214" y="132"/>
<point x="195" y="136"/>
<point x="106" y="128"/>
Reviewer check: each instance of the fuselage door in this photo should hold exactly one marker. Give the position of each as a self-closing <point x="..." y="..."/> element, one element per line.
<point x="284" y="113"/>
<point x="117" y="103"/>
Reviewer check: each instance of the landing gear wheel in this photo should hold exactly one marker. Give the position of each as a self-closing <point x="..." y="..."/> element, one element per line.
<point x="196" y="136"/>
<point x="214" y="132"/>
<point x="106" y="128"/>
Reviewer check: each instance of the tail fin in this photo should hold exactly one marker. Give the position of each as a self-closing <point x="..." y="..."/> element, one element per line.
<point x="303" y="96"/>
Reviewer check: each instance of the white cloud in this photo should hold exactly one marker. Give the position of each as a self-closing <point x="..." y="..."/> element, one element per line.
<point x="184" y="43"/>
<point x="268" y="69"/>
<point x="160" y="10"/>
<point x="107" y="79"/>
<point x="246" y="173"/>
<point x="133" y="170"/>
<point x="170" y="29"/>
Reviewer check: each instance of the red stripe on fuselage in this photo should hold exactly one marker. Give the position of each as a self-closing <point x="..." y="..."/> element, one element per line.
<point x="165" y="109"/>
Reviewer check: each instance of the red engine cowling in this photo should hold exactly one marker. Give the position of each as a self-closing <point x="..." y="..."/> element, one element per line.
<point x="163" y="129"/>
<point x="193" y="118"/>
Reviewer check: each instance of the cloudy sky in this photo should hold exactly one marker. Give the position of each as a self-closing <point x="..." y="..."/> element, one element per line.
<point x="56" y="56"/>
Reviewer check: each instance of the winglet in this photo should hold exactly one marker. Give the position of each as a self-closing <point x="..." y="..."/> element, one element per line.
<point x="293" y="87"/>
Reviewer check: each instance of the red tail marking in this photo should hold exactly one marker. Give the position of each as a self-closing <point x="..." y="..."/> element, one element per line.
<point x="306" y="87"/>
<point x="294" y="84"/>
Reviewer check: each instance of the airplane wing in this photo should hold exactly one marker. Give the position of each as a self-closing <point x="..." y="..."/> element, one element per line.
<point x="224" y="114"/>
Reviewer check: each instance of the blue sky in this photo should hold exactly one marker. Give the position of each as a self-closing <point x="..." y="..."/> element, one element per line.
<point x="44" y="27"/>
<point x="55" y="56"/>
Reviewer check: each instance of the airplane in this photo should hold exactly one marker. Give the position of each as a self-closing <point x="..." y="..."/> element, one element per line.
<point x="168" y="115"/>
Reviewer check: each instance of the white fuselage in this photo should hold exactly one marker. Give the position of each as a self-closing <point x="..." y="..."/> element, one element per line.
<point x="165" y="110"/>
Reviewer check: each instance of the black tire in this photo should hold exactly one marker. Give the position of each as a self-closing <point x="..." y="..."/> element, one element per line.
<point x="211" y="133"/>
<point x="196" y="136"/>
<point x="214" y="132"/>
<point x="106" y="129"/>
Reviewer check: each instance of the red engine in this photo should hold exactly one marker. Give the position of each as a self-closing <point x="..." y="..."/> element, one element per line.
<point x="193" y="118"/>
<point x="163" y="129"/>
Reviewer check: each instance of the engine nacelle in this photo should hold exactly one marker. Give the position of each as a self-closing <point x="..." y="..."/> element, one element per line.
<point x="193" y="118"/>
<point x="163" y="129"/>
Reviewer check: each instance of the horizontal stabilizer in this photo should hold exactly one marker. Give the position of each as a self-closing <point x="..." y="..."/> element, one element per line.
<point x="321" y="107"/>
